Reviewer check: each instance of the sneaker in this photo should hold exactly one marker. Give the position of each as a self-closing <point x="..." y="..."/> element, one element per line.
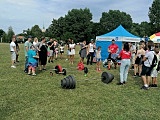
<point x="124" y="82"/>
<point x="13" y="66"/>
<point x="119" y="83"/>
<point x="34" y="74"/>
<point x="151" y="85"/>
<point x="144" y="88"/>
<point x="134" y="75"/>
<point x="29" y="73"/>
<point x="51" y="61"/>
<point x="48" y="61"/>
<point x="154" y="85"/>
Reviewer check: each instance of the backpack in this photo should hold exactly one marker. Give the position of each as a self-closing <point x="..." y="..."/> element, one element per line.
<point x="80" y="66"/>
<point x="154" y="61"/>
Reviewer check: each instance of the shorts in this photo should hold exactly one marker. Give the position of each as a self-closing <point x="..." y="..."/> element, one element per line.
<point x="154" y="73"/>
<point x="110" y="58"/>
<point x="13" y="56"/>
<point x="61" y="51"/>
<point x="138" y="61"/>
<point x="67" y="52"/>
<point x="98" y="59"/>
<point x="133" y="59"/>
<point x="50" y="53"/>
<point x="146" y="71"/>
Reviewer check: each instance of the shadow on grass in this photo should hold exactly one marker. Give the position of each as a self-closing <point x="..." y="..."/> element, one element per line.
<point x="6" y="111"/>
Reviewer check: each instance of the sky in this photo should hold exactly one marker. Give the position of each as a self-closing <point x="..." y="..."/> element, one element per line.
<point x="24" y="14"/>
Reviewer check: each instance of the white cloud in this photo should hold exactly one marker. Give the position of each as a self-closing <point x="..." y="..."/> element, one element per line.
<point x="23" y="14"/>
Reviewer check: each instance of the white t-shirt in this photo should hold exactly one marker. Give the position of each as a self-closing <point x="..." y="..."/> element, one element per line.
<point x="12" y="44"/>
<point x="150" y="56"/>
<point x="61" y="48"/>
<point x="98" y="54"/>
<point x="91" y="47"/>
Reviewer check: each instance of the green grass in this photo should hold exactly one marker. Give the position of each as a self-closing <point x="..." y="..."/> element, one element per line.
<point x="40" y="97"/>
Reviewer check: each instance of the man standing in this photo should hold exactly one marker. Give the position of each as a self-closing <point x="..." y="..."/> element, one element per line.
<point x="17" y="49"/>
<point x="146" y="67"/>
<point x="27" y="46"/>
<point x="113" y="53"/>
<point x="13" y="51"/>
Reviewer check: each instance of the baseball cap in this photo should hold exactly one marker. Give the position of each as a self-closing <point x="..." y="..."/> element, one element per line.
<point x="29" y="36"/>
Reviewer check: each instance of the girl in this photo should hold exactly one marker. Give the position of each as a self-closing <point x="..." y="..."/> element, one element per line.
<point x="61" y="50"/>
<point x="32" y="61"/>
<point x="98" y="58"/>
<point x="125" y="56"/>
<point x="72" y="46"/>
<point x="83" y="51"/>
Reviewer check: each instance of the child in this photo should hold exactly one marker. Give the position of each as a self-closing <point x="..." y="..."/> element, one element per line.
<point x="98" y="58"/>
<point x="61" y="50"/>
<point x="155" y="70"/>
<point x="32" y="60"/>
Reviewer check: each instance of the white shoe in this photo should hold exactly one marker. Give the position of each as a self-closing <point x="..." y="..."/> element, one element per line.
<point x="13" y="66"/>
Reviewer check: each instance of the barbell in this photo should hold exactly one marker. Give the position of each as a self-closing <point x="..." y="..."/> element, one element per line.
<point x="58" y="70"/>
<point x="70" y="82"/>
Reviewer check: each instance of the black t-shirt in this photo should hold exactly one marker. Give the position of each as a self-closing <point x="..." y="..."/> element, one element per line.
<point x="49" y="44"/>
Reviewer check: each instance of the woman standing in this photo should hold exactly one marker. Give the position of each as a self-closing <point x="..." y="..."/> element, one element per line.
<point x="42" y="54"/>
<point x="83" y="51"/>
<point x="90" y="52"/>
<point x="125" y="56"/>
<point x="138" y="61"/>
<point x="72" y="46"/>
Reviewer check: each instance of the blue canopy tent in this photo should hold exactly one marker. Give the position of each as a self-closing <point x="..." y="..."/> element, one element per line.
<point x="119" y="34"/>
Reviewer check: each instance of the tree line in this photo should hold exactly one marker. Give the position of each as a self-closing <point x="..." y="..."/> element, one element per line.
<point x="78" y="25"/>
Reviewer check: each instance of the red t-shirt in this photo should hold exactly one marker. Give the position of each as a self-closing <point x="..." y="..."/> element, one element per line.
<point x="125" y="55"/>
<point x="113" y="48"/>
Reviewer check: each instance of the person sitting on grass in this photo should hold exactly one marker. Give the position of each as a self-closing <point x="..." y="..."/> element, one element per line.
<point x="98" y="58"/>
<point x="32" y="61"/>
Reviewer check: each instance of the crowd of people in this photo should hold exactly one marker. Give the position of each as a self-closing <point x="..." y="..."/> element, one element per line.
<point x="140" y="59"/>
<point x="144" y="60"/>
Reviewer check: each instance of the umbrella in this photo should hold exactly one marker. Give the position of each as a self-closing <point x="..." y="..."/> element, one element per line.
<point x="155" y="37"/>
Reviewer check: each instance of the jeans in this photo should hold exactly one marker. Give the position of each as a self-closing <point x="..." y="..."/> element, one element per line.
<point x="125" y="63"/>
<point x="90" y="55"/>
<point x="26" y="64"/>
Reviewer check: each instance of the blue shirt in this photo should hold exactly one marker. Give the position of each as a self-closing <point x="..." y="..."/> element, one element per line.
<point x="31" y="59"/>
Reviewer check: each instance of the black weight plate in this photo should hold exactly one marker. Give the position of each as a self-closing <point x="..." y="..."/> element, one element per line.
<point x="64" y="71"/>
<point x="85" y="70"/>
<point x="106" y="77"/>
<point x="73" y="81"/>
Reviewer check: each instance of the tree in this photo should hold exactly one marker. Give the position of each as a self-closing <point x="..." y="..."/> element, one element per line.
<point x="76" y="25"/>
<point x="154" y="16"/>
<point x="10" y="33"/>
<point x="1" y="32"/>
<point x="4" y="38"/>
<point x="78" y="21"/>
<point x="36" y="31"/>
<point x="113" y="19"/>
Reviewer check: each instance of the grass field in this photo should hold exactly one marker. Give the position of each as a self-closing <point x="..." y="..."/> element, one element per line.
<point x="40" y="97"/>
